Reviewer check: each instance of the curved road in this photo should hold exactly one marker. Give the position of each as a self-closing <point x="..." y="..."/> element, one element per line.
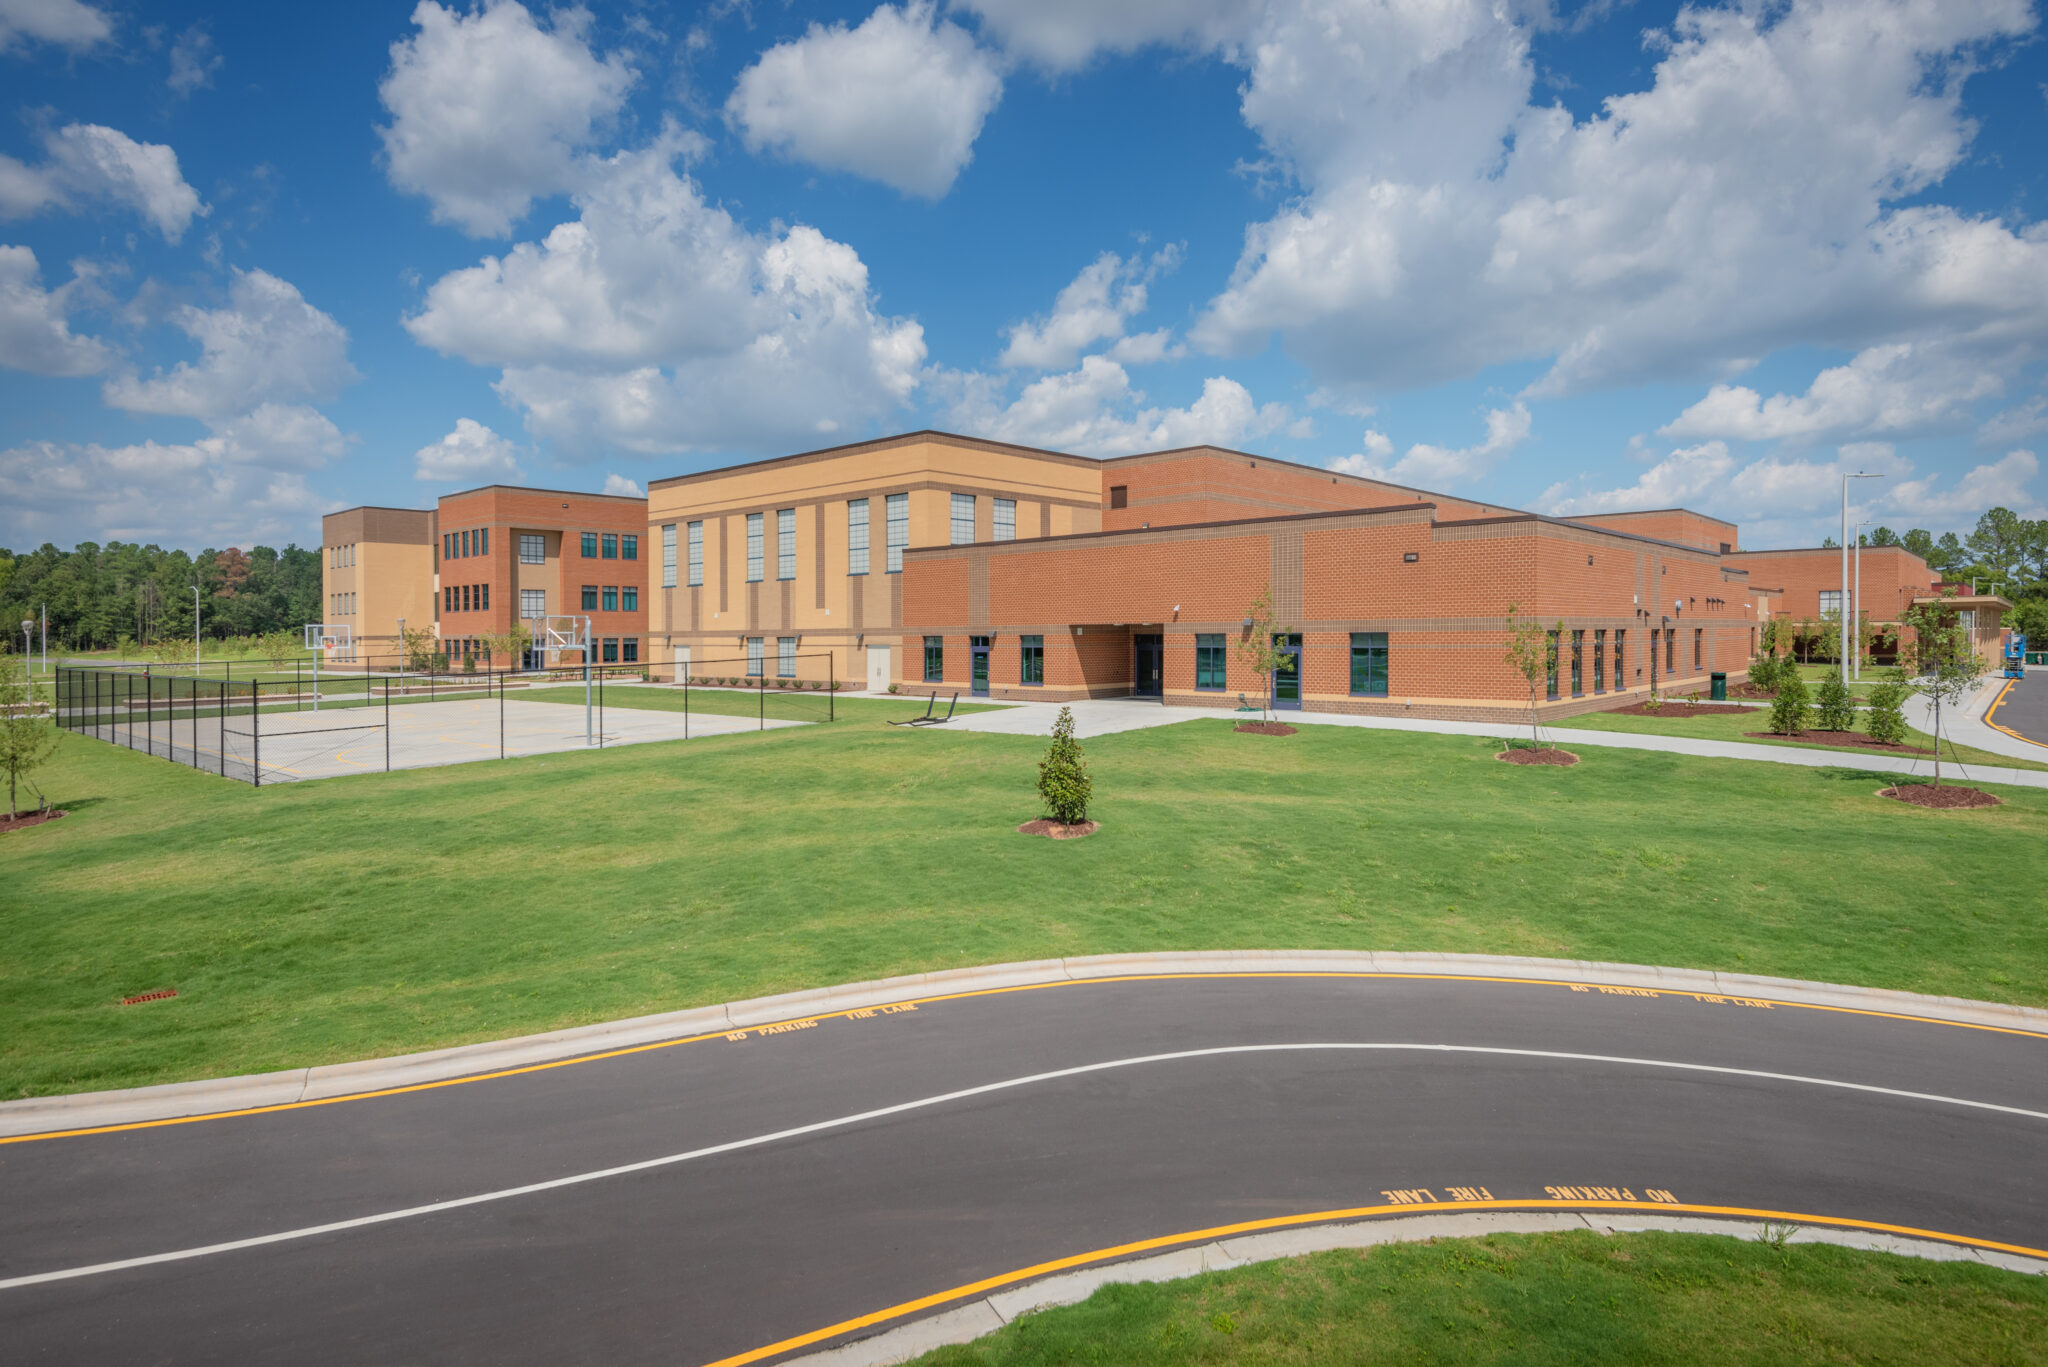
<point x="726" y="1199"/>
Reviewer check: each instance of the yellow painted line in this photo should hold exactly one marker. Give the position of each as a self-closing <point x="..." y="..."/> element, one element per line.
<point x="2007" y="729"/>
<point x="722" y="1033"/>
<point x="1024" y="1274"/>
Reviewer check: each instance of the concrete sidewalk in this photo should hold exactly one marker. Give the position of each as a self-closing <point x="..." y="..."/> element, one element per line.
<point x="1965" y="725"/>
<point x="1108" y="716"/>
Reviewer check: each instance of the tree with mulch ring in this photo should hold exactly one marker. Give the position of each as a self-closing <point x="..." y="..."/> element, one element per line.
<point x="1266" y="728"/>
<point x="1946" y="797"/>
<point x="1521" y="752"/>
<point x="21" y="821"/>
<point x="1064" y="784"/>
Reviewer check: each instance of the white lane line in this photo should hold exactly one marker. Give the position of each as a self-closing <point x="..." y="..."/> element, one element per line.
<point x="923" y="1103"/>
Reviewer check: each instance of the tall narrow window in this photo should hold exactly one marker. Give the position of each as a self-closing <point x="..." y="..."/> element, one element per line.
<point x="934" y="659"/>
<point x="629" y="598"/>
<point x="485" y="590"/>
<point x="1368" y="663"/>
<point x="1699" y="646"/>
<point x="1599" y="662"/>
<point x="1031" y="659"/>
<point x="963" y="520"/>
<point x="1621" y="659"/>
<point x="611" y="598"/>
<point x="632" y="650"/>
<point x="611" y="650"/>
<point x="785" y="657"/>
<point x="785" y="543"/>
<point x="753" y="548"/>
<point x="533" y="549"/>
<point x="590" y="598"/>
<point x="696" y="554"/>
<point x="753" y="655"/>
<point x="629" y="548"/>
<point x="483" y="541"/>
<point x="611" y="545"/>
<point x="856" y="536"/>
<point x="590" y="545"/>
<point x="1670" y="649"/>
<point x="668" y="555"/>
<point x="897" y="531"/>
<point x="1006" y="519"/>
<point x="1209" y="661"/>
<point x="463" y="542"/>
<point x="1578" y="664"/>
<point x="1550" y="672"/>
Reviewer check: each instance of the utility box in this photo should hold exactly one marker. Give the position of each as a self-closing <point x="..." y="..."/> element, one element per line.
<point x="1718" y="689"/>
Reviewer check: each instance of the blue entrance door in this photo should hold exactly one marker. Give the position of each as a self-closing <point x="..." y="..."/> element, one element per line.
<point x="1148" y="677"/>
<point x="1287" y="678"/>
<point x="978" y="652"/>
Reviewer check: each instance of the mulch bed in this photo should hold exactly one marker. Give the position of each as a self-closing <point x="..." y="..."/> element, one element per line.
<point x="1680" y="709"/>
<point x="1547" y="755"/>
<point x="26" y="820"/>
<point x="1854" y="740"/>
<point x="1266" y="728"/>
<point x="1947" y="797"/>
<point x="1054" y="830"/>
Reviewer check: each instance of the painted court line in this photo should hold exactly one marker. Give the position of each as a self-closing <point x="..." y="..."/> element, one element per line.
<point x="924" y="1103"/>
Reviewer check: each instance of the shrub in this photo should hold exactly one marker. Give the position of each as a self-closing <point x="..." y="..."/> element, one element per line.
<point x="1886" y="722"/>
<point x="1764" y="672"/>
<point x="1062" y="777"/>
<point x="1835" y="709"/>
<point x="1788" y="709"/>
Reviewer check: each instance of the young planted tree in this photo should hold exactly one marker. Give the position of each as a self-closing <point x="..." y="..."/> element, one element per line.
<point x="1835" y="708"/>
<point x="418" y="646"/>
<point x="1789" y="708"/>
<point x="279" y="647"/>
<point x="1945" y="664"/>
<point x="1062" y="776"/>
<point x="1764" y="672"/>
<point x="28" y="736"/>
<point x="1258" y="649"/>
<point x="1532" y="653"/>
<point x="1886" y="720"/>
<point x="508" y="647"/>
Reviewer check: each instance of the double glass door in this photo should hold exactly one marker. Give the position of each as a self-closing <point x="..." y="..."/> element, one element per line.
<point x="977" y="647"/>
<point x="1148" y="676"/>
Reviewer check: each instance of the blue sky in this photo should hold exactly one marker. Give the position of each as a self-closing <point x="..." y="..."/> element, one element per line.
<point x="261" y="261"/>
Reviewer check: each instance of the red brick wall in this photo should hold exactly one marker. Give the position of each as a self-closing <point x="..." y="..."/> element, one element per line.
<point x="1891" y="578"/>
<point x="1681" y="525"/>
<point x="1178" y="488"/>
<point x="509" y="511"/>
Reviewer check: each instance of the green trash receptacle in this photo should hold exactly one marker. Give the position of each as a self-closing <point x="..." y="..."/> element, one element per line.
<point x="1719" y="691"/>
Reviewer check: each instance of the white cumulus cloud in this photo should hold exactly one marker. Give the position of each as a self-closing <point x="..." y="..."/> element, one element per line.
<point x="490" y="109"/>
<point x="267" y="344"/>
<point x="35" y="331"/>
<point x="1063" y="35"/>
<point x="471" y="453"/>
<point x="623" y="487"/>
<point x="88" y="164"/>
<point x="1441" y="466"/>
<point x="1094" y="410"/>
<point x="66" y="23"/>
<point x="1891" y="390"/>
<point x="899" y="100"/>
<point x="1093" y="307"/>
<point x="193" y="61"/>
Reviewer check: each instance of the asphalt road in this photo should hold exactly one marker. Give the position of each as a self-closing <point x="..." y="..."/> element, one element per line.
<point x="2024" y="708"/>
<point x="1508" y="1089"/>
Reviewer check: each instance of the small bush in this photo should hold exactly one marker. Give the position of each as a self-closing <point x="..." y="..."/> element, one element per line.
<point x="1835" y="709"/>
<point x="1886" y="720"/>
<point x="1062" y="776"/>
<point x="892" y="688"/>
<point x="1764" y="672"/>
<point x="1789" y="709"/>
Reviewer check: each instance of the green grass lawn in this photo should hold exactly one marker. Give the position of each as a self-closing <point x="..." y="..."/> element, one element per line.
<point x="778" y="705"/>
<point x="1531" y="1300"/>
<point x="363" y="916"/>
<point x="1712" y="723"/>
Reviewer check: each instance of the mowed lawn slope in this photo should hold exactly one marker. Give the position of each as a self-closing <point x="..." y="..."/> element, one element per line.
<point x="356" y="917"/>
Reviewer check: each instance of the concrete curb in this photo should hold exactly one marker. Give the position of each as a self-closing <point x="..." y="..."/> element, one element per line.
<point x="86" y="1110"/>
<point x="965" y="1323"/>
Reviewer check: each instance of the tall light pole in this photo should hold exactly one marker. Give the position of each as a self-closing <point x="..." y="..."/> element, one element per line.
<point x="1856" y="603"/>
<point x="195" y="631"/>
<point x="1842" y="598"/>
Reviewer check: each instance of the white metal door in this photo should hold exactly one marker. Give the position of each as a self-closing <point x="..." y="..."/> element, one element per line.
<point x="682" y="662"/>
<point x="878" y="669"/>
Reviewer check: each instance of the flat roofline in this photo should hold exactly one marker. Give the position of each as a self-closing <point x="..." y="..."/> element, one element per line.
<point x="530" y="489"/>
<point x="1824" y="550"/>
<point x="1962" y="600"/>
<point x="375" y="508"/>
<point x="1644" y="512"/>
<point x="1422" y="495"/>
<point x="875" y="444"/>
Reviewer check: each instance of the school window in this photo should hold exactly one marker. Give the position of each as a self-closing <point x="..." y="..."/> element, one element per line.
<point x="1699" y="646"/>
<point x="934" y="659"/>
<point x="1831" y="602"/>
<point x="753" y="548"/>
<point x="611" y="545"/>
<point x="629" y="548"/>
<point x="533" y="602"/>
<point x="785" y="657"/>
<point x="629" y="598"/>
<point x="1550" y="662"/>
<point x="753" y="655"/>
<point x="1621" y="659"/>
<point x="484" y="604"/>
<point x="696" y="554"/>
<point x="1600" y="662"/>
<point x="1119" y="495"/>
<point x="1368" y="663"/>
<point x="856" y="536"/>
<point x="590" y="598"/>
<point x="632" y="650"/>
<point x="611" y="598"/>
<point x="590" y="545"/>
<point x="611" y="650"/>
<point x="1653" y="657"/>
<point x="533" y="549"/>
<point x="1578" y="664"/>
<point x="785" y="543"/>
<point x="448" y="599"/>
<point x="483" y="542"/>
<point x="668" y="556"/>
<point x="464" y="599"/>
<point x="1031" y="659"/>
<point x="896" y="531"/>
<point x="1670" y="647"/>
<point x="963" y="519"/>
<point x="1209" y="661"/>
<point x="1006" y="519"/>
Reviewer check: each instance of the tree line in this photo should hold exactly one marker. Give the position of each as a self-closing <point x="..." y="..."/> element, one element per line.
<point x="123" y="594"/>
<point x="2005" y="554"/>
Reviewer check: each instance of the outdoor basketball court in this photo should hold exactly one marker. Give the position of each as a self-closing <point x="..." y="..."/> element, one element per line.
<point x="292" y="746"/>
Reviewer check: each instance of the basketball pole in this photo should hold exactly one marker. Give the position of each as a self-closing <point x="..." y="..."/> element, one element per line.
<point x="588" y="738"/>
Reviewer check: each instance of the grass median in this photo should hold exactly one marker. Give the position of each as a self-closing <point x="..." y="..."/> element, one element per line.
<point x="356" y="917"/>
<point x="1579" y="1298"/>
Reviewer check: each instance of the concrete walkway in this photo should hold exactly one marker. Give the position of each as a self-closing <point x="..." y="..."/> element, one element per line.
<point x="1107" y="716"/>
<point x="1966" y="726"/>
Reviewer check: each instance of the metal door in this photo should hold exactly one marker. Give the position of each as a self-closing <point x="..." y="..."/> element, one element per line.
<point x="1148" y="673"/>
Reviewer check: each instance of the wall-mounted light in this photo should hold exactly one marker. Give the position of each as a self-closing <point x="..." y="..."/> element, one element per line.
<point x="1589" y="560"/>
<point x="1410" y="557"/>
<point x="1247" y="623"/>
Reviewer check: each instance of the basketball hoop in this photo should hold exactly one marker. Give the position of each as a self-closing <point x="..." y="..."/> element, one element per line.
<point x="328" y="636"/>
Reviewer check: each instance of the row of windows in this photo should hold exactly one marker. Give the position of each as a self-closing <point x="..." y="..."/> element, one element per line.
<point x="465" y="598"/>
<point x="341" y="604"/>
<point x="611" y="598"/>
<point x="1368" y="660"/>
<point x="896" y="538"/>
<point x="785" y="656"/>
<point x="340" y="557"/>
<point x="533" y="602"/>
<point x="610" y="546"/>
<point x="462" y="545"/>
<point x="1575" y="652"/>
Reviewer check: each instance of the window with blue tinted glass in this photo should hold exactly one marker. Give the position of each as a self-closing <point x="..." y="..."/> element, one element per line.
<point x="1369" y="664"/>
<point x="1031" y="659"/>
<point x="1210" y="661"/>
<point x="934" y="659"/>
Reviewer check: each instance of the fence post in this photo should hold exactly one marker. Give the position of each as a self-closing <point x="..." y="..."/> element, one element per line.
<point x="686" y="704"/>
<point x="761" y="694"/>
<point x="256" y="736"/>
<point x="831" y="686"/>
<point x="387" y="723"/>
<point x="148" y="711"/>
<point x="226" y="685"/>
<point x="501" y="716"/>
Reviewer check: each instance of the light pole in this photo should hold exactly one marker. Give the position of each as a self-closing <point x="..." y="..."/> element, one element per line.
<point x="1842" y="598"/>
<point x="28" y="625"/>
<point x="1856" y="602"/>
<point x="195" y="631"/>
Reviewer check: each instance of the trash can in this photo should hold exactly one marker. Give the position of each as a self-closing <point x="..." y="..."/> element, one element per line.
<point x="1719" y="687"/>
